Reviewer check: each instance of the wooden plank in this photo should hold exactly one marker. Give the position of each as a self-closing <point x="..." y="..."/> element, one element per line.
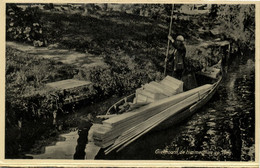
<point x="170" y="84"/>
<point x="148" y="93"/>
<point x="158" y="118"/>
<point x="102" y="144"/>
<point x="166" y="90"/>
<point x="108" y="132"/>
<point x="173" y="86"/>
<point x="181" y="83"/>
<point x="153" y="121"/>
<point x="160" y="104"/>
<point x="174" y="83"/>
<point x="112" y="139"/>
<point x="116" y="131"/>
<point x="150" y="86"/>
<point x="92" y="130"/>
<point x="142" y="99"/>
<point x="159" y="87"/>
<point x="183" y="103"/>
<point x="101" y="130"/>
<point x="152" y="89"/>
<point x="113" y="127"/>
<point x="173" y="80"/>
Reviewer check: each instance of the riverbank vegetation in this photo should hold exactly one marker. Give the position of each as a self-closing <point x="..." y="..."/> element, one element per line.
<point x="132" y="40"/>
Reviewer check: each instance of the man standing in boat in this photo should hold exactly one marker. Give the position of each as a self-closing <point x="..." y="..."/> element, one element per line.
<point x="177" y="56"/>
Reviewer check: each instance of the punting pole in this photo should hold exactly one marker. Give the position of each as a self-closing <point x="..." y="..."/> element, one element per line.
<point x="168" y="46"/>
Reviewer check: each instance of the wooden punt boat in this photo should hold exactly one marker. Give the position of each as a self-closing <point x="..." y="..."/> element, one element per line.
<point x="202" y="78"/>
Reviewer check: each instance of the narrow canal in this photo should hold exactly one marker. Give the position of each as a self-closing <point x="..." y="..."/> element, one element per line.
<point x="224" y="129"/>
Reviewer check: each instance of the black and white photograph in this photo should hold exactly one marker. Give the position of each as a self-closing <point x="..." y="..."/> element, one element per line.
<point x="130" y="81"/>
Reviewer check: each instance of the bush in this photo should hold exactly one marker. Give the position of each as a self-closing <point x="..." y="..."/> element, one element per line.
<point x="122" y="75"/>
<point x="26" y="76"/>
<point x="24" y="25"/>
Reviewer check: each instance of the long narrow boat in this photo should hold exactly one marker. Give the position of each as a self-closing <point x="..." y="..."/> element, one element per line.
<point x="203" y="77"/>
<point x="115" y="110"/>
<point x="164" y="117"/>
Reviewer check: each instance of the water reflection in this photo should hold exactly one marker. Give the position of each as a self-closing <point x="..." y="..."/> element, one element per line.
<point x="64" y="148"/>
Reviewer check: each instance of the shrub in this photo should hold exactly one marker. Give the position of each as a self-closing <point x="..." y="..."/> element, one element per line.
<point x="122" y="75"/>
<point x="24" y="25"/>
<point x="26" y="76"/>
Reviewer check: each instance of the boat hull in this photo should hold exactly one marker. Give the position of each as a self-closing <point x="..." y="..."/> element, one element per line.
<point x="178" y="117"/>
<point x="188" y="112"/>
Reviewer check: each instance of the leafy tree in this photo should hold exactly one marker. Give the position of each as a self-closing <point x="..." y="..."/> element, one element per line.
<point x="238" y="23"/>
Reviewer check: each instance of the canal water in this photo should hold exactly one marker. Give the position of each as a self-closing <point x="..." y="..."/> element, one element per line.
<point x="224" y="129"/>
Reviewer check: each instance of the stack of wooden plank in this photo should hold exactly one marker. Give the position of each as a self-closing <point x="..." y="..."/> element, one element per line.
<point x="112" y="128"/>
<point x="154" y="91"/>
<point x="138" y="130"/>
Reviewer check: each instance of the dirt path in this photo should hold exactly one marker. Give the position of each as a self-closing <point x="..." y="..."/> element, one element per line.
<point x="81" y="60"/>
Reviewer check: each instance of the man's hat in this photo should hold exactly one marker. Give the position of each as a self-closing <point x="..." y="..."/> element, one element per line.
<point x="180" y="38"/>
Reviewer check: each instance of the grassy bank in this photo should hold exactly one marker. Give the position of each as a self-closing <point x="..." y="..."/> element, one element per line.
<point x="30" y="102"/>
